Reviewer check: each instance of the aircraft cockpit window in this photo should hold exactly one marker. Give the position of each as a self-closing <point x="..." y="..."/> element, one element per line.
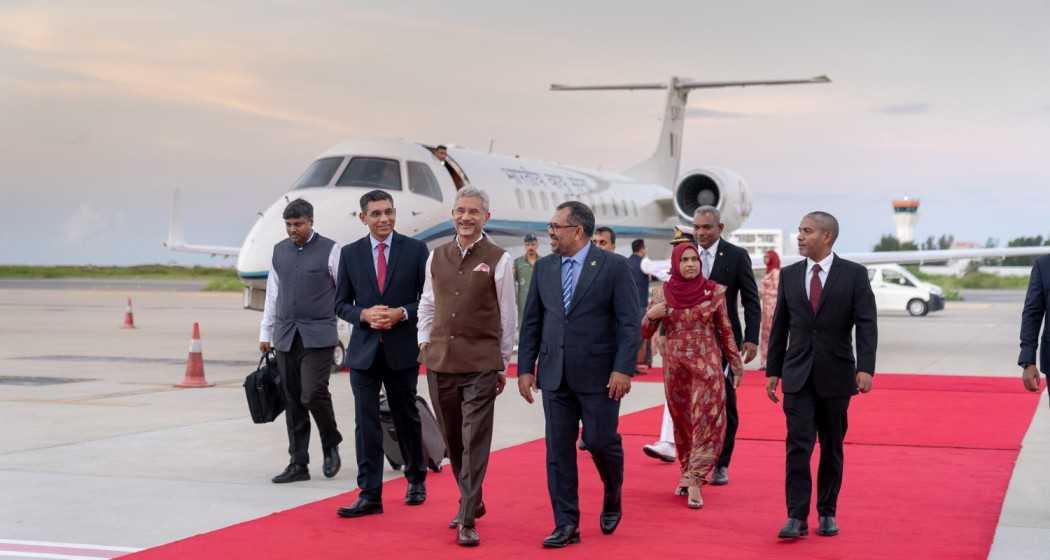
<point x="319" y="174"/>
<point x="372" y="172"/>
<point x="421" y="180"/>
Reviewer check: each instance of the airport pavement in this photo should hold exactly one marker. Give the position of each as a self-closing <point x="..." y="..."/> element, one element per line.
<point x="119" y="457"/>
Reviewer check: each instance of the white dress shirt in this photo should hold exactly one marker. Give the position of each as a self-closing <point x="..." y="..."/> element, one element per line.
<point x="505" y="293"/>
<point x="273" y="283"/>
<point x="707" y="263"/>
<point x="825" y="266"/>
<point x="375" y="250"/>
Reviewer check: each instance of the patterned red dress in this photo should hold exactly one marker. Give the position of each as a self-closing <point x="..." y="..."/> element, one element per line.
<point x="768" y="291"/>
<point x="696" y="338"/>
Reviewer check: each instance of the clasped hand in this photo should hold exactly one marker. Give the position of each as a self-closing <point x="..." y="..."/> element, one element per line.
<point x="381" y="317"/>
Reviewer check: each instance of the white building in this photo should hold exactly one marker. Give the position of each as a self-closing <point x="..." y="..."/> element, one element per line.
<point x="758" y="241"/>
<point x="906" y="215"/>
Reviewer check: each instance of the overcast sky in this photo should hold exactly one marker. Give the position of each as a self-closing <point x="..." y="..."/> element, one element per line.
<point x="106" y="107"/>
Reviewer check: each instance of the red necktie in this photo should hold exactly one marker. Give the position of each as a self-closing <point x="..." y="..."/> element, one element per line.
<point x="381" y="267"/>
<point x="815" y="288"/>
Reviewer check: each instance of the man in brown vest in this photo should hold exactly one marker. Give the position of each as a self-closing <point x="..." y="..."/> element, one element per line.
<point x="467" y="319"/>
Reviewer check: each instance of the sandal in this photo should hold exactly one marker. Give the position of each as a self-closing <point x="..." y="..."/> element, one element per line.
<point x="696" y="500"/>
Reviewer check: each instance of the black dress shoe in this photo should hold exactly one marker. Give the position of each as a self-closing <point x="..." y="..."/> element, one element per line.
<point x="720" y="476"/>
<point x="416" y="494"/>
<point x="361" y="507"/>
<point x="292" y="473"/>
<point x="828" y="527"/>
<point x="611" y="513"/>
<point x="793" y="529"/>
<point x="332" y="463"/>
<point x="467" y="536"/>
<point x="478" y="514"/>
<point x="562" y="536"/>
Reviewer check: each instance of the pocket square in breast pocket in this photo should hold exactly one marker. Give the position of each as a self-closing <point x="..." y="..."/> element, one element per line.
<point x="482" y="268"/>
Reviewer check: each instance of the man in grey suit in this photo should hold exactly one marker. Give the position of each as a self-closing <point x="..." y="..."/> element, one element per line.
<point x="1033" y="317"/>
<point x="581" y="322"/>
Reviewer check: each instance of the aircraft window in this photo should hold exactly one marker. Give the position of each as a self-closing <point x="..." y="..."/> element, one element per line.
<point x="320" y="173"/>
<point x="532" y="200"/>
<point x="372" y="172"/>
<point x="421" y="180"/>
<point x="521" y="198"/>
<point x="543" y="199"/>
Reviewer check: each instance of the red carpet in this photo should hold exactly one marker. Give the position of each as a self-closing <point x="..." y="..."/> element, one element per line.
<point x="927" y="467"/>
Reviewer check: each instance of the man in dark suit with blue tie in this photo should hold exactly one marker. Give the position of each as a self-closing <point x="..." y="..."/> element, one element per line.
<point x="1034" y="316"/>
<point x="380" y="281"/>
<point x="820" y="302"/>
<point x="581" y="323"/>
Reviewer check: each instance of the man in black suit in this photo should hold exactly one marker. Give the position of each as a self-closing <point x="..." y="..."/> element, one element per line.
<point x="820" y="301"/>
<point x="1034" y="315"/>
<point x="581" y="322"/>
<point x="730" y="266"/>
<point x="380" y="281"/>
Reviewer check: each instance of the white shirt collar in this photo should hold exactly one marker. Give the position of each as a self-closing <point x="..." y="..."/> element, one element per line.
<point x="713" y="249"/>
<point x="375" y="242"/>
<point x="825" y="265"/>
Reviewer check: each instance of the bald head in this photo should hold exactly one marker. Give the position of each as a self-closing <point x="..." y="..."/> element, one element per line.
<point x="826" y="222"/>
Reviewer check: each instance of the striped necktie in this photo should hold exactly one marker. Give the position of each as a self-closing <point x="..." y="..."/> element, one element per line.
<point x="566" y="282"/>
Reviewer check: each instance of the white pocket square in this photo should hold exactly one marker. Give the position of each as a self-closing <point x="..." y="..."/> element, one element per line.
<point x="482" y="268"/>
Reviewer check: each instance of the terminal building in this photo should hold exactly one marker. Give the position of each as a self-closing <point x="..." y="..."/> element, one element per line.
<point x="758" y="241"/>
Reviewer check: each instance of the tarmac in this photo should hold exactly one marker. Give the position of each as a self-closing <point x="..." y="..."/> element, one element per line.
<point x="97" y="445"/>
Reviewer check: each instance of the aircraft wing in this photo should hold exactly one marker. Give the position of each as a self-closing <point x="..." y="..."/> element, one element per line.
<point x="176" y="239"/>
<point x="661" y="268"/>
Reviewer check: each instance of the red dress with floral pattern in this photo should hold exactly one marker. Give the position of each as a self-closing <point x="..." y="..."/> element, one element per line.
<point x="696" y="338"/>
<point x="768" y="293"/>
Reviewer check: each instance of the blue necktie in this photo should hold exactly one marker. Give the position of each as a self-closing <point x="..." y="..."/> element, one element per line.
<point x="566" y="282"/>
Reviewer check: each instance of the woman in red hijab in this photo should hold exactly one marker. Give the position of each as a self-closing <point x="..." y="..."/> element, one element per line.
<point x="698" y="333"/>
<point x="768" y="293"/>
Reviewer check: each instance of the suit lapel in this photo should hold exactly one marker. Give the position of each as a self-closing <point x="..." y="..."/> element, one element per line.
<point x="720" y="263"/>
<point x="392" y="258"/>
<point x="370" y="265"/>
<point x="805" y="296"/>
<point x="591" y="266"/>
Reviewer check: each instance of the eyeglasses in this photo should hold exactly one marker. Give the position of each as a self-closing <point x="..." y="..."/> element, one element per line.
<point x="555" y="227"/>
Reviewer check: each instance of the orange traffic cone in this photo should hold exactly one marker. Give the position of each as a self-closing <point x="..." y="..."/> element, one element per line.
<point x="129" y="317"/>
<point x="195" y="363"/>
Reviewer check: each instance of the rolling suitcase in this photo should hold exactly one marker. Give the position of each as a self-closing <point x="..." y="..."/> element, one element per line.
<point x="433" y="442"/>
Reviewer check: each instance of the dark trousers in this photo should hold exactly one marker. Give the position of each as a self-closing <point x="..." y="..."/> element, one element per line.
<point x="563" y="410"/>
<point x="810" y="416"/>
<point x="304" y="379"/>
<point x="464" y="405"/>
<point x="368" y="432"/>
<point x="732" y="423"/>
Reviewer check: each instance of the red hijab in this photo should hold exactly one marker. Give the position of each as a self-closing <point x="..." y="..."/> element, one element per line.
<point x="774" y="261"/>
<point x="681" y="293"/>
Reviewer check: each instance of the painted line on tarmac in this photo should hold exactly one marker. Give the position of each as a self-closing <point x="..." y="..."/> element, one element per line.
<point x="60" y="551"/>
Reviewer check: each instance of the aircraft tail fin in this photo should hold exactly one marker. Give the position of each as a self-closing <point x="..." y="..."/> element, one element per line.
<point x="663" y="166"/>
<point x="177" y="238"/>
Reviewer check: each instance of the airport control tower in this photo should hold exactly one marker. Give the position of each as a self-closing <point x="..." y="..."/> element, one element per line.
<point x="906" y="213"/>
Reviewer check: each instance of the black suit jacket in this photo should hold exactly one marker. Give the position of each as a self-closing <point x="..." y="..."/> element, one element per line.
<point x="1034" y="316"/>
<point x="358" y="289"/>
<point x="599" y="334"/>
<point x="802" y="344"/>
<point x="732" y="269"/>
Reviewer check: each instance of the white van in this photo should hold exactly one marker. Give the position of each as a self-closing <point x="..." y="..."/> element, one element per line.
<point x="897" y="289"/>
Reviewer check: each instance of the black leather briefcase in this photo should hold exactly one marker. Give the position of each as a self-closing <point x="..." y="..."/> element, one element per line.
<point x="262" y="388"/>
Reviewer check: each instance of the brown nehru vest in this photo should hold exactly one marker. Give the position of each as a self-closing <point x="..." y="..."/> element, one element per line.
<point x="465" y="337"/>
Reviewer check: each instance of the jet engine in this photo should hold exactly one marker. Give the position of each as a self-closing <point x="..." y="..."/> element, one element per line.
<point x="720" y="188"/>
